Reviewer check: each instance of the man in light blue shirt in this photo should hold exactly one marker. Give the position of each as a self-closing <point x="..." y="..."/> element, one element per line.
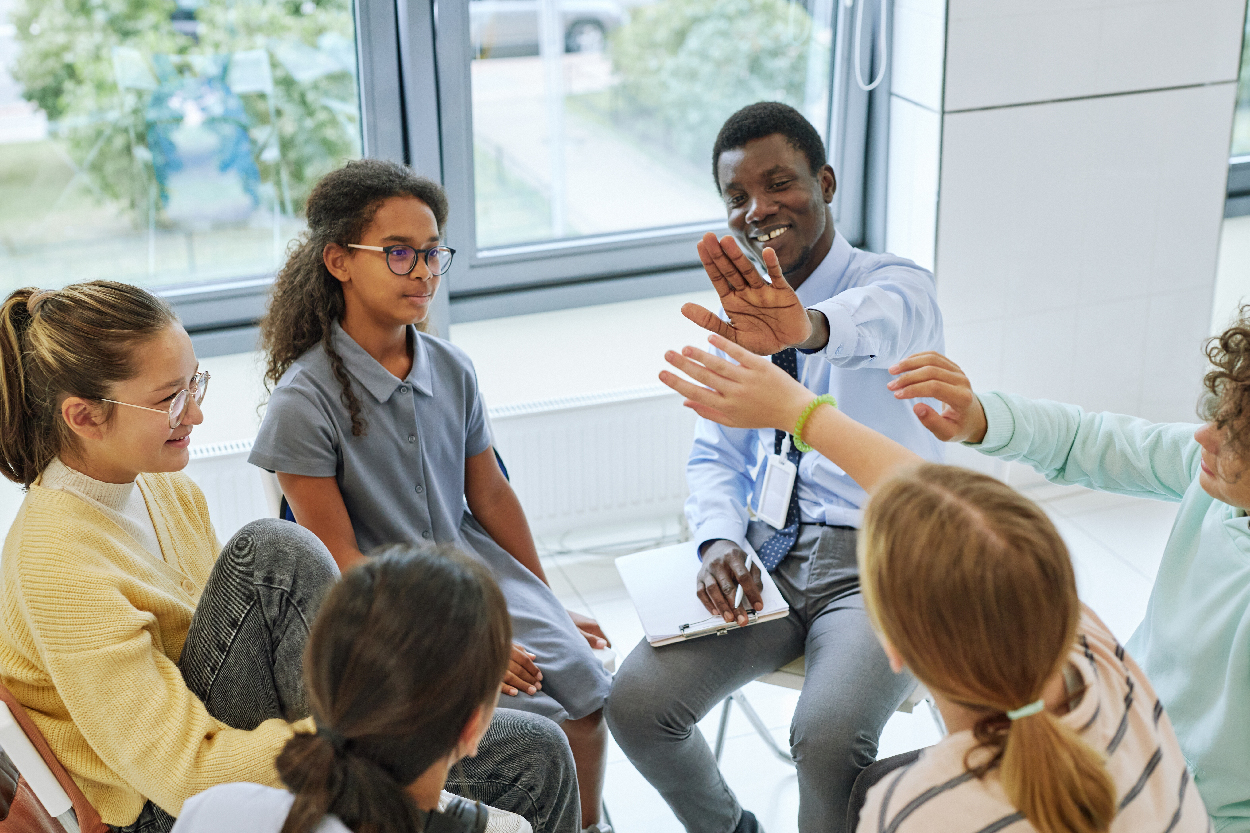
<point x="850" y="314"/>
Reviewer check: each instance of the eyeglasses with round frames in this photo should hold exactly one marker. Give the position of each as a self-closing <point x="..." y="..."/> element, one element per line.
<point x="178" y="405"/>
<point x="401" y="260"/>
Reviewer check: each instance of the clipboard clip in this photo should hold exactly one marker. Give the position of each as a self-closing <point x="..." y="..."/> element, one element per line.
<point x="720" y="628"/>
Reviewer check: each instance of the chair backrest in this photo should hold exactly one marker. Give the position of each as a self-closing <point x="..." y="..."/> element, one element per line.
<point x="46" y="799"/>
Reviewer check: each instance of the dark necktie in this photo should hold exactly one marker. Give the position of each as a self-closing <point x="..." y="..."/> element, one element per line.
<point x="779" y="544"/>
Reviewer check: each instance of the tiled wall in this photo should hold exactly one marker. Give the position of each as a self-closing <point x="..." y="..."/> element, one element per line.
<point x="1083" y="157"/>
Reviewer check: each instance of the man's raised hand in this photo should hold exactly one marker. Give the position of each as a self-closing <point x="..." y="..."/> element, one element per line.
<point x="932" y="375"/>
<point x="763" y="317"/>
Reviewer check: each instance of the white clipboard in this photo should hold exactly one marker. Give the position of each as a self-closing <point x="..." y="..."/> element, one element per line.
<point x="661" y="584"/>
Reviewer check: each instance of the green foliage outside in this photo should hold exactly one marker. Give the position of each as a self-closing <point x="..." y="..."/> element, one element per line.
<point x="67" y="65"/>
<point x="686" y="65"/>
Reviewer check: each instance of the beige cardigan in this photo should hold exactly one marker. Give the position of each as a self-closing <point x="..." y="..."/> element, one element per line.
<point x="91" y="629"/>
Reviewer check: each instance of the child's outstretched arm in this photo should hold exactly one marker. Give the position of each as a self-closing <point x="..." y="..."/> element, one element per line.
<point x="754" y="393"/>
<point x="495" y="505"/>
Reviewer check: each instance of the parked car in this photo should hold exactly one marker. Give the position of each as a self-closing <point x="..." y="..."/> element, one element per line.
<point x="507" y="28"/>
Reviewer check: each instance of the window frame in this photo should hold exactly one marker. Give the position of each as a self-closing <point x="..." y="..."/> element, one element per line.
<point x="412" y="53"/>
<point x="623" y="256"/>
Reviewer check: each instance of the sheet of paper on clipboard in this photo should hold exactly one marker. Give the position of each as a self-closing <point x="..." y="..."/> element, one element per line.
<point x="661" y="584"/>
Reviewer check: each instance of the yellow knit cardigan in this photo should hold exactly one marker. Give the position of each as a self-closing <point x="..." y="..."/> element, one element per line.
<point x="91" y="629"/>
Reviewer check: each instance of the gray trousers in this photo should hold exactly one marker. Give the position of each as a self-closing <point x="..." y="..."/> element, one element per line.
<point x="244" y="659"/>
<point x="848" y="695"/>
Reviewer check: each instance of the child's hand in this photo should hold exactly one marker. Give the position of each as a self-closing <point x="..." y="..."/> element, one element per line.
<point x="522" y="673"/>
<point x="754" y="393"/>
<point x="933" y="375"/>
<point x="590" y="629"/>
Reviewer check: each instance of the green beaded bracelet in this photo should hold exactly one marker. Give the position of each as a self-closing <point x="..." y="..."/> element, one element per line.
<point x="823" y="399"/>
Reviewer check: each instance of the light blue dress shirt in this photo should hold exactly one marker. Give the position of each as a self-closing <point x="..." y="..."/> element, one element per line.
<point x="881" y="309"/>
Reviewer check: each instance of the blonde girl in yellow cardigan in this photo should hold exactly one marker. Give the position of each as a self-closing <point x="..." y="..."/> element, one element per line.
<point x="132" y="644"/>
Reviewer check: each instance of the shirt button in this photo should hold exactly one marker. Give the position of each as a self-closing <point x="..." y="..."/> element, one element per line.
<point x="403" y="388"/>
<point x="420" y="489"/>
<point x="412" y="438"/>
<point x="187" y="585"/>
<point x="426" y="534"/>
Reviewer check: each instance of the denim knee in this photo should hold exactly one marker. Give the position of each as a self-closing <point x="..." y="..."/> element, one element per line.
<point x="275" y="549"/>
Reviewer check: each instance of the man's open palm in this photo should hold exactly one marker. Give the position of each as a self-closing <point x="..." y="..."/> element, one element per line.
<point x="763" y="317"/>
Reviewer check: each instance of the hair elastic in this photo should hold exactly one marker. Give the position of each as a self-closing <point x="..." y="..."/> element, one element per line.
<point x="1026" y="711"/>
<point x="332" y="737"/>
<point x="823" y="399"/>
<point x="36" y="298"/>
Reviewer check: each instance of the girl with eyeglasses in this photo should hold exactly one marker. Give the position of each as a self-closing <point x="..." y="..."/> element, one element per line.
<point x="378" y="435"/>
<point x="155" y="662"/>
<point x="387" y="733"/>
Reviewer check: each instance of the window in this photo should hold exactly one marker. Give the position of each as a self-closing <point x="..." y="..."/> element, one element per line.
<point x="173" y="145"/>
<point x="1238" y="203"/>
<point x="577" y="134"/>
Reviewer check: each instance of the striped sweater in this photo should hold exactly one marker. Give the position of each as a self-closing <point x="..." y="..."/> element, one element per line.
<point x="1119" y="714"/>
<point x="91" y="629"/>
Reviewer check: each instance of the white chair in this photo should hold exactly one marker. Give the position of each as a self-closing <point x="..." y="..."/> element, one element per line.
<point x="791" y="676"/>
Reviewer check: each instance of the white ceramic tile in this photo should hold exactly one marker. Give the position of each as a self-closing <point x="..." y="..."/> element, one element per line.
<point x="977" y="347"/>
<point x="1056" y="207"/>
<point x="1039" y="351"/>
<point x="1232" y="276"/>
<point x="1003" y="52"/>
<point x="1173" y="356"/>
<point x="912" y="187"/>
<point x="1108" y="374"/>
<point x="919" y="52"/>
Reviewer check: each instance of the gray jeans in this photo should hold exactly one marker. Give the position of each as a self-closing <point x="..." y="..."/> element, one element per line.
<point x="243" y="659"/>
<point x="848" y="695"/>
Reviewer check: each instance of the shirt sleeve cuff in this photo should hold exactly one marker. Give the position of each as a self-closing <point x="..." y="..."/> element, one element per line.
<point x="1000" y="425"/>
<point x="729" y="529"/>
<point x="843" y="336"/>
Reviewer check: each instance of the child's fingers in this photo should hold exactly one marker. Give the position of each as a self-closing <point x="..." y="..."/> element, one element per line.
<point x="956" y="397"/>
<point x="735" y="351"/>
<point x="939" y="426"/>
<point x="918" y="360"/>
<point x="520" y="684"/>
<point x="928" y="373"/>
<point x="691" y="391"/>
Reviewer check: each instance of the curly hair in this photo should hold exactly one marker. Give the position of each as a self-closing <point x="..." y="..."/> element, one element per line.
<point x="764" y="118"/>
<point x="1227" y="403"/>
<point x="306" y="299"/>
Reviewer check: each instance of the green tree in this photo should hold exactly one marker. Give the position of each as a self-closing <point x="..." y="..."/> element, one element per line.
<point x="67" y="66"/>
<point x="686" y="65"/>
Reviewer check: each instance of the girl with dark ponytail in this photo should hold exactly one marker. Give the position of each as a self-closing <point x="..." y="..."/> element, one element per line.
<point x="398" y="699"/>
<point x="155" y="662"/>
<point x="378" y="434"/>
<point x="1052" y="726"/>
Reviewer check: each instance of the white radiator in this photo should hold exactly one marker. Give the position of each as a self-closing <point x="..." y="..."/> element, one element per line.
<point x="591" y="461"/>
<point x="577" y="463"/>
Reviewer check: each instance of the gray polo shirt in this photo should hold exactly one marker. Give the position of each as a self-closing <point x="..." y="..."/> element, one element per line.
<point x="403" y="481"/>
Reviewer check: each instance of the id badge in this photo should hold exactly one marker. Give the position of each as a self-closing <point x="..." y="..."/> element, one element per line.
<point x="779" y="476"/>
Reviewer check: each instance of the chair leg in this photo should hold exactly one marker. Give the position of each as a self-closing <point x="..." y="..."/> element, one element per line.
<point x="724" y="725"/>
<point x="762" y="729"/>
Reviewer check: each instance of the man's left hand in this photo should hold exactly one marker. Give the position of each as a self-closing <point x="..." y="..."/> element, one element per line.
<point x="590" y="629"/>
<point x="763" y="317"/>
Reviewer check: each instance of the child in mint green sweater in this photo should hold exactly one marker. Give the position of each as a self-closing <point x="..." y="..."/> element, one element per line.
<point x="1194" y="643"/>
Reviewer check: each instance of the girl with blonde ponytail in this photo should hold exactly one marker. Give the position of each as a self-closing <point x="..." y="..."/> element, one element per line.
<point x="1052" y="725"/>
<point x="155" y="662"/>
<point x="387" y="732"/>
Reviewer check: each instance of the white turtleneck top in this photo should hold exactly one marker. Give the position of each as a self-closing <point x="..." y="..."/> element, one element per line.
<point x="122" y="503"/>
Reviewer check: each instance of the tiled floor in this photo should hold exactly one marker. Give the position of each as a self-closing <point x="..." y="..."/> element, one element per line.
<point x="1116" y="544"/>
